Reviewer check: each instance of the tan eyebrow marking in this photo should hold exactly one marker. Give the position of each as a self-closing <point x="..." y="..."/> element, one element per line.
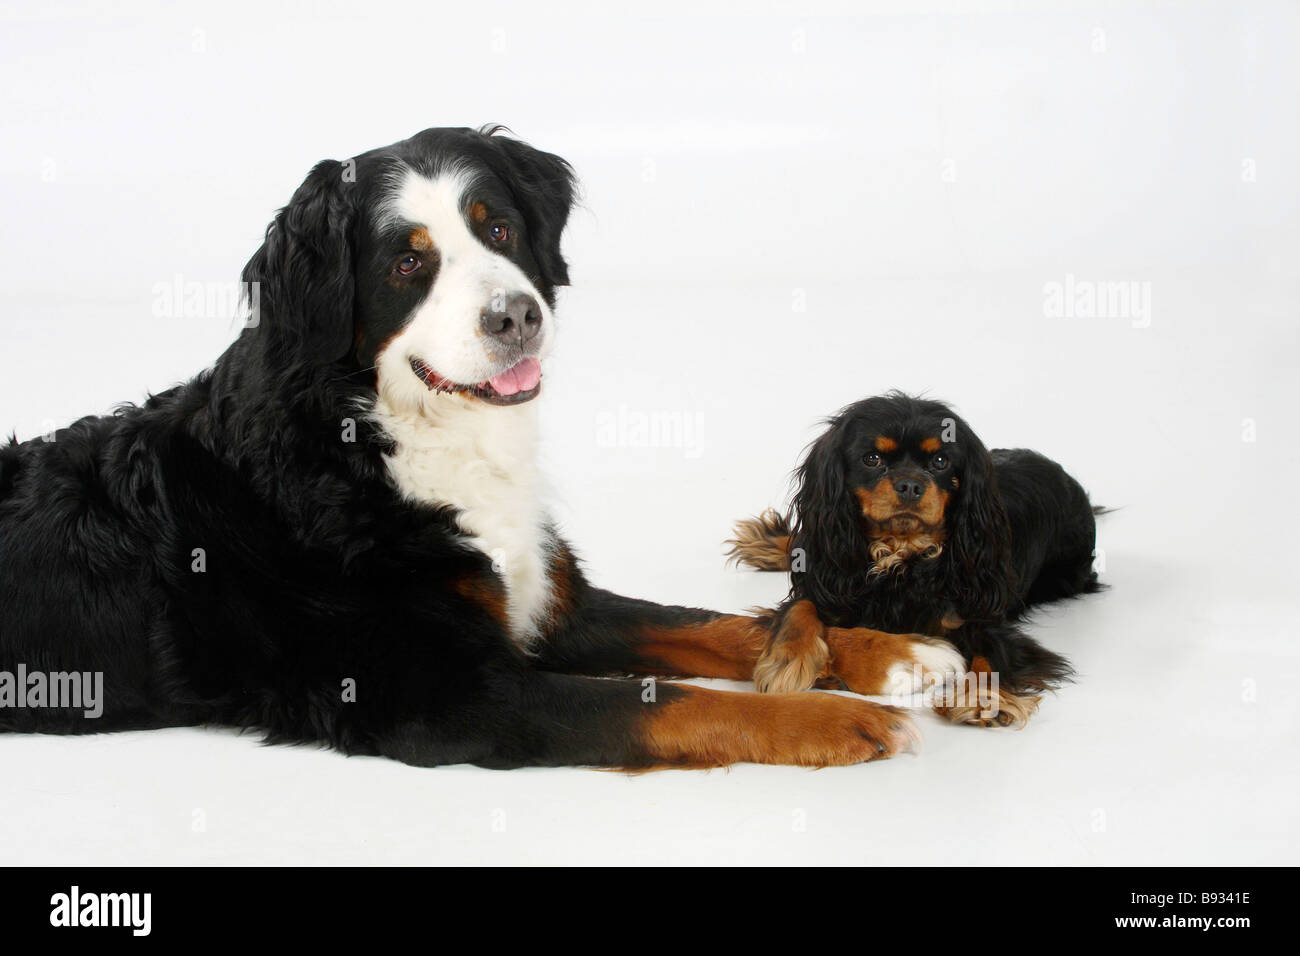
<point x="478" y="212"/>
<point x="886" y="444"/>
<point x="421" y="240"/>
<point x="931" y="445"/>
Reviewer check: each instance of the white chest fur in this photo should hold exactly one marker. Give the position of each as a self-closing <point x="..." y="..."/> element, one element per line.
<point x="481" y="460"/>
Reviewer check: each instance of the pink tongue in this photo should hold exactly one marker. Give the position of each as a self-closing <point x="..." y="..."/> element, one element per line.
<point x="518" y="378"/>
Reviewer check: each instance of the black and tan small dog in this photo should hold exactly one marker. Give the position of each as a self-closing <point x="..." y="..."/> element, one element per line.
<point x="903" y="521"/>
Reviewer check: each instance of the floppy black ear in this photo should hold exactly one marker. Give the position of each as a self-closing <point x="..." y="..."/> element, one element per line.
<point x="303" y="272"/>
<point x="981" y="574"/>
<point x="828" y="529"/>
<point x="543" y="187"/>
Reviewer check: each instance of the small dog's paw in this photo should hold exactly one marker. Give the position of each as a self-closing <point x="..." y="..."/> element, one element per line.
<point x="788" y="667"/>
<point x="1000" y="709"/>
<point x="797" y="655"/>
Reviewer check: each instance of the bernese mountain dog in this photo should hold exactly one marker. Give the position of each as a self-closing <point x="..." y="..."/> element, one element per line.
<point x="334" y="534"/>
<point x="903" y="521"/>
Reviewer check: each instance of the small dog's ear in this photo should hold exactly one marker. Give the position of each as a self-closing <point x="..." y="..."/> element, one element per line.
<point x="543" y="188"/>
<point x="827" y="528"/>
<point x="301" y="279"/>
<point x="981" y="573"/>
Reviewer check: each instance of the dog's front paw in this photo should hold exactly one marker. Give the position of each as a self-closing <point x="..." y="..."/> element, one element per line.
<point x="935" y="664"/>
<point x="797" y="655"/>
<point x="709" y="728"/>
<point x="899" y="665"/>
<point x="987" y="708"/>
<point x="976" y="699"/>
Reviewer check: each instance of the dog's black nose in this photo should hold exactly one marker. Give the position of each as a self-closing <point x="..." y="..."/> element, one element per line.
<point x="518" y="319"/>
<point x="910" y="489"/>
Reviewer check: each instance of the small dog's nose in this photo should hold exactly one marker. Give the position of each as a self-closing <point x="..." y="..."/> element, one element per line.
<point x="517" y="321"/>
<point x="910" y="489"/>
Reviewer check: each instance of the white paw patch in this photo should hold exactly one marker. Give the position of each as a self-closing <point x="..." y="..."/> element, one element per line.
<point x="939" y="658"/>
<point x="934" y="665"/>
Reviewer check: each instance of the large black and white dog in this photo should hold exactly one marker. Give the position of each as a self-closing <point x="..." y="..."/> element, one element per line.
<point x="334" y="534"/>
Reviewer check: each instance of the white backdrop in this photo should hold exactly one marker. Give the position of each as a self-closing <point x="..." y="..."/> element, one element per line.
<point x="783" y="211"/>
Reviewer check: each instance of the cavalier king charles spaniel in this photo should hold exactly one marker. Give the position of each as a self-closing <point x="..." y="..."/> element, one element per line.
<point x="903" y="521"/>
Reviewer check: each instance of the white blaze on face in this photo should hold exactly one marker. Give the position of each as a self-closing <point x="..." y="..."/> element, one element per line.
<point x="455" y="449"/>
<point x="445" y="329"/>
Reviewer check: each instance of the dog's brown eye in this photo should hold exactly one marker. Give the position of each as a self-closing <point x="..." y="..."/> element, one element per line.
<point x="872" y="460"/>
<point x="939" y="463"/>
<point x="408" y="264"/>
<point x="499" y="232"/>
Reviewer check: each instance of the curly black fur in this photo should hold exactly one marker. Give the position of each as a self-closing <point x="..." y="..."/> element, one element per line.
<point x="1017" y="531"/>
